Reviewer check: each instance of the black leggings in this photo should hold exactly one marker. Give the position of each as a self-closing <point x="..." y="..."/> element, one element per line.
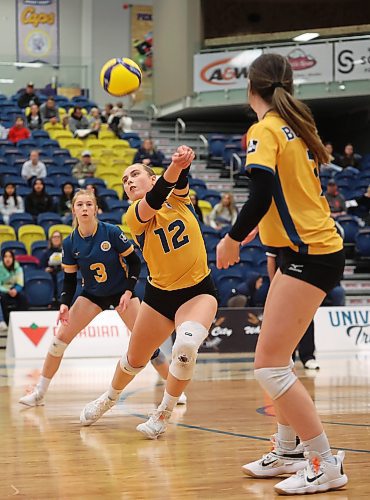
<point x="8" y="303"/>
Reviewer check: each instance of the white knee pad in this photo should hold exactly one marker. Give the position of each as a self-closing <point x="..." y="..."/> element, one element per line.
<point x="275" y="381"/>
<point x="57" y="347"/>
<point x="189" y="337"/>
<point x="127" y="368"/>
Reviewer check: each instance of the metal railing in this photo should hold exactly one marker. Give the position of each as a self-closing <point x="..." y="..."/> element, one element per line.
<point x="180" y="124"/>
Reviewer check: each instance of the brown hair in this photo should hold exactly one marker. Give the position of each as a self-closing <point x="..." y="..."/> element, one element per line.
<point x="81" y="192"/>
<point x="271" y="77"/>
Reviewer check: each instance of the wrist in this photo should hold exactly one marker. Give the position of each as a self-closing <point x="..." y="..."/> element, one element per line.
<point x="229" y="238"/>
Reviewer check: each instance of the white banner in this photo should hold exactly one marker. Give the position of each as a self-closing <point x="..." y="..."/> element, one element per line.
<point x="30" y="335"/>
<point x="352" y="60"/>
<point x="222" y="70"/>
<point x="38" y="31"/>
<point x="342" y="329"/>
<point x="311" y="63"/>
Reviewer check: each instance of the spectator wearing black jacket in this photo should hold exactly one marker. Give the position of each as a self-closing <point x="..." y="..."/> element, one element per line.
<point x="28" y="97"/>
<point x="38" y="201"/>
<point x="149" y="155"/>
<point x="34" y="120"/>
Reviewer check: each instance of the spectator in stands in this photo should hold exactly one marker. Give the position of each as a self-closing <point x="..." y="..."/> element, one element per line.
<point x="34" y="120"/>
<point x="334" y="159"/>
<point x="223" y="213"/>
<point x="94" y="119"/>
<point x="252" y="293"/>
<point x="125" y="124"/>
<point x="65" y="202"/>
<point x="18" y="132"/>
<point x="28" y="97"/>
<point x="10" y="202"/>
<point x="49" y="111"/>
<point x="336" y="201"/>
<point x="51" y="258"/>
<point x="198" y="211"/>
<point x="106" y="112"/>
<point x="79" y="124"/>
<point x="33" y="168"/>
<point x="38" y="201"/>
<point x="350" y="158"/>
<point x="85" y="168"/>
<point x="149" y="155"/>
<point x="102" y="206"/>
<point x="11" y="287"/>
<point x="119" y="122"/>
<point x="364" y="204"/>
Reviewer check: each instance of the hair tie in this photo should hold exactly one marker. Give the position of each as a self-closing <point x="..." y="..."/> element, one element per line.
<point x="276" y="85"/>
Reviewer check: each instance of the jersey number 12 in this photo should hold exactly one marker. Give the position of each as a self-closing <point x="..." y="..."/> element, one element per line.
<point x="178" y="239"/>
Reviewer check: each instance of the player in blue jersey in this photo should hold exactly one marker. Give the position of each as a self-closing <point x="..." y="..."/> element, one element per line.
<point x="109" y="268"/>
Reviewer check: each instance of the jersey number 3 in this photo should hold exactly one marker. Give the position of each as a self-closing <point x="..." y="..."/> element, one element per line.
<point x="101" y="274"/>
<point x="178" y="239"/>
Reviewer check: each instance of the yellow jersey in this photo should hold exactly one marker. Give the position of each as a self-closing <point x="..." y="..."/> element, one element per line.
<point x="172" y="243"/>
<point x="299" y="215"/>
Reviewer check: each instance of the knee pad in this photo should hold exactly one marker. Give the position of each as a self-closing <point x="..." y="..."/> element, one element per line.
<point x="275" y="381"/>
<point x="57" y="347"/>
<point x="158" y="358"/>
<point x="189" y="337"/>
<point x="127" y="368"/>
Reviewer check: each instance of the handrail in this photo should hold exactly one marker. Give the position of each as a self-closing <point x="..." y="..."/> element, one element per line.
<point x="179" y="123"/>
<point x="203" y="139"/>
<point x="152" y="112"/>
<point x="236" y="157"/>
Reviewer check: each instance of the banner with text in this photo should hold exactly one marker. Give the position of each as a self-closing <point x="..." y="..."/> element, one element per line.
<point x="30" y="334"/>
<point x="352" y="60"/>
<point x="38" y="31"/>
<point x="142" y="48"/>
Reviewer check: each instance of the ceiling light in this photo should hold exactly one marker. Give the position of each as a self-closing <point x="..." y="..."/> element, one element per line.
<point x="27" y="65"/>
<point x="305" y="37"/>
<point x="6" y="80"/>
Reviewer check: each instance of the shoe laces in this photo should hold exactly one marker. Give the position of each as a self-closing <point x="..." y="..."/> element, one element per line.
<point x="158" y="415"/>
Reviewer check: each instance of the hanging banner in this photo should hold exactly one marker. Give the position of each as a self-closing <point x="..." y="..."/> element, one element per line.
<point x="142" y="48"/>
<point x="222" y="70"/>
<point x="352" y="60"/>
<point x="38" y="31"/>
<point x="312" y="63"/>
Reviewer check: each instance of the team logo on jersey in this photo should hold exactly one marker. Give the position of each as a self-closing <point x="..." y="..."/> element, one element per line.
<point x="252" y="146"/>
<point x="123" y="238"/>
<point x="105" y="246"/>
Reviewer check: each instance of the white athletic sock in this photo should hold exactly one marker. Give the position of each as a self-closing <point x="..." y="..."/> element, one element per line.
<point x="168" y="402"/>
<point x="286" y="436"/>
<point x="114" y="394"/>
<point x="321" y="445"/>
<point x="43" y="385"/>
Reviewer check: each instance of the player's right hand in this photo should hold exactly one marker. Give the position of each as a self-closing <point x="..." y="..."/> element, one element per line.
<point x="63" y="315"/>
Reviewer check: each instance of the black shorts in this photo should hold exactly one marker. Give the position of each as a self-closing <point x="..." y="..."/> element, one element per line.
<point x="322" y="271"/>
<point x="167" y="302"/>
<point x="105" y="303"/>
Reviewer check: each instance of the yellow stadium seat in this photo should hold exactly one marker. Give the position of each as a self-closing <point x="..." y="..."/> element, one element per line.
<point x="62" y="228"/>
<point x="61" y="134"/>
<point x="112" y="180"/>
<point x="29" y="233"/>
<point x="62" y="112"/>
<point x="103" y="169"/>
<point x="105" y="133"/>
<point x="49" y="126"/>
<point x="192" y="192"/>
<point x="205" y="207"/>
<point x="117" y="186"/>
<point x="117" y="144"/>
<point x="130" y="155"/>
<point x="71" y="142"/>
<point x="84" y="111"/>
<point x="158" y="170"/>
<point x="6" y="233"/>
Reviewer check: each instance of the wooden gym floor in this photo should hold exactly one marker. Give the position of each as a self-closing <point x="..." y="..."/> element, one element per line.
<point x="46" y="454"/>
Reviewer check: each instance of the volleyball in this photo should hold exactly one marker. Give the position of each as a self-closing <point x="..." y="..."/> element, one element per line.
<point x="120" y="76"/>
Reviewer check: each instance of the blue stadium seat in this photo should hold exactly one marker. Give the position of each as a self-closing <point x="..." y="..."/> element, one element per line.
<point x="216" y="144"/>
<point x="212" y="196"/>
<point x="26" y="146"/>
<point x="48" y="219"/>
<point x="229" y="150"/>
<point x="133" y="139"/>
<point x="96" y="181"/>
<point x="23" y="190"/>
<point x="211" y="241"/>
<point x="16" y="246"/>
<point x="5" y="144"/>
<point x="362" y="242"/>
<point x="14" y="179"/>
<point x="197" y="183"/>
<point x="350" y="227"/>
<point x="228" y="280"/>
<point x="12" y="154"/>
<point x="39" y="289"/>
<point x="110" y="217"/>
<point x="118" y="205"/>
<point x="38" y="248"/>
<point x="60" y="155"/>
<point x="40" y="134"/>
<point x="48" y="145"/>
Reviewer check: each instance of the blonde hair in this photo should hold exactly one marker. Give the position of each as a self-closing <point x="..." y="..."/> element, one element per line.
<point x="81" y="192"/>
<point x="231" y="208"/>
<point x="271" y="77"/>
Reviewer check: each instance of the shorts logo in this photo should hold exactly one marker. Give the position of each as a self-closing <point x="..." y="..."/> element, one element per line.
<point x="297" y="268"/>
<point x="105" y="246"/>
<point x="252" y="146"/>
<point x="123" y="238"/>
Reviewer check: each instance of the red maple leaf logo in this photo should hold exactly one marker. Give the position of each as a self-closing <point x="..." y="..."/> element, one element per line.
<point x="34" y="333"/>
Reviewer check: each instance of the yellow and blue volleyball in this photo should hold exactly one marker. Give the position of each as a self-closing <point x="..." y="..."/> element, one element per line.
<point x="120" y="76"/>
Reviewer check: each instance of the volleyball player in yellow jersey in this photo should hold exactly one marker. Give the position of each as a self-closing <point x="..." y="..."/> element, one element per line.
<point x="284" y="151"/>
<point x="179" y="294"/>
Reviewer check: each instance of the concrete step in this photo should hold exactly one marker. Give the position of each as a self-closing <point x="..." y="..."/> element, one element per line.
<point x="357" y="300"/>
<point x="356" y="287"/>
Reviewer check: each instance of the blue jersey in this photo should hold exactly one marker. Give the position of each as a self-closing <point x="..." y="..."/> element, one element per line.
<point x="99" y="258"/>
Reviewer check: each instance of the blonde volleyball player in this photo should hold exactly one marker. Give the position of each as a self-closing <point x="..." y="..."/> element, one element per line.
<point x="283" y="154"/>
<point x="179" y="294"/>
<point x="98" y="250"/>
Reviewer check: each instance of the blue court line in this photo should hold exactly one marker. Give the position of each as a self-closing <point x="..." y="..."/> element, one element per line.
<point x="235" y="434"/>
